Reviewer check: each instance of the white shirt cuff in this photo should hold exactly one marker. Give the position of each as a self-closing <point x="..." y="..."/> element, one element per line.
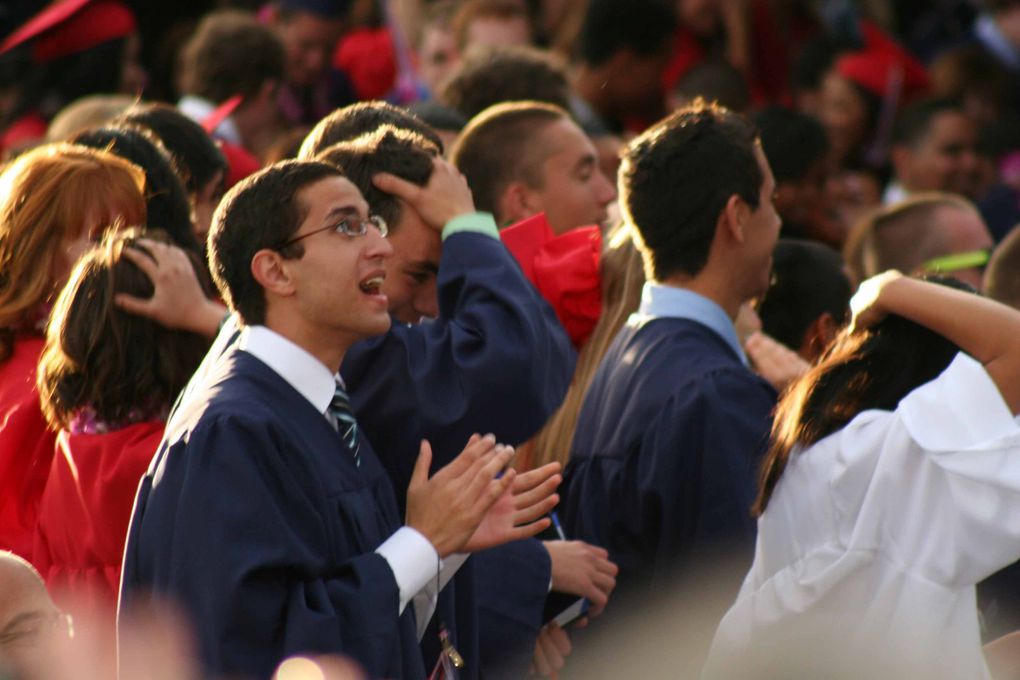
<point x="413" y="560"/>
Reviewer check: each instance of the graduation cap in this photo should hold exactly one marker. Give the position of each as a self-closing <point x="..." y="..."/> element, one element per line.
<point x="72" y="26"/>
<point x="327" y="9"/>
<point x="883" y="67"/>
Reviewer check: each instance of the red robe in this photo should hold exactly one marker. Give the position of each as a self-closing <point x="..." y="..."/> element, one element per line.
<point x="26" y="446"/>
<point x="84" y="513"/>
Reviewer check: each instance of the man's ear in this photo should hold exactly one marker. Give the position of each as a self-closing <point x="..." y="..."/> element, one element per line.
<point x="269" y="270"/>
<point x="733" y="218"/>
<point x="515" y="204"/>
<point x="818" y="335"/>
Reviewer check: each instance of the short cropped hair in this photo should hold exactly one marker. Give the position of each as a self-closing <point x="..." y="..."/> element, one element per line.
<point x="98" y="357"/>
<point x="645" y="27"/>
<point x="807" y="281"/>
<point x="355" y="120"/>
<point x="676" y="178"/>
<point x="502" y="145"/>
<point x="388" y="149"/>
<point x="260" y="212"/>
<point x="230" y="53"/>
<point x="1002" y="277"/>
<point x="491" y="76"/>
<point x="902" y="236"/>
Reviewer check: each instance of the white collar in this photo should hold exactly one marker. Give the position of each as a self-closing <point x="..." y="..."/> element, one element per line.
<point x="301" y="370"/>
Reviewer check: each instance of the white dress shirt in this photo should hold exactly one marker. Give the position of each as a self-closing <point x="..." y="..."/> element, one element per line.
<point x="874" y="538"/>
<point x="410" y="555"/>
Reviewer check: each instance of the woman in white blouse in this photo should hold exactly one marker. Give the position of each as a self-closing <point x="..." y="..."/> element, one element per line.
<point x="892" y="486"/>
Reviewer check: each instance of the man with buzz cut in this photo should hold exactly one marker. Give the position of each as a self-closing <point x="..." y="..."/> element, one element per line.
<point x="266" y="513"/>
<point x="663" y="465"/>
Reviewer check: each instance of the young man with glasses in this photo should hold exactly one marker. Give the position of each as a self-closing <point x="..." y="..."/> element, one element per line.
<point x="266" y="513"/>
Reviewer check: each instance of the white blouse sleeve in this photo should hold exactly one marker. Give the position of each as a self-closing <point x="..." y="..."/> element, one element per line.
<point x="944" y="501"/>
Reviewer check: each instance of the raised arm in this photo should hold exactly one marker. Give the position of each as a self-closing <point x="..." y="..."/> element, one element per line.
<point x="982" y="328"/>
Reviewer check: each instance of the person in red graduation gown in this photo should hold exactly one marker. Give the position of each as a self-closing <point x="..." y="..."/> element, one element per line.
<point x="106" y="380"/>
<point x="55" y="199"/>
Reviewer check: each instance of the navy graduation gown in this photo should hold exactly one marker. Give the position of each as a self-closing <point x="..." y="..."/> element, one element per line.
<point x="254" y="517"/>
<point x="663" y="467"/>
<point x="496" y="360"/>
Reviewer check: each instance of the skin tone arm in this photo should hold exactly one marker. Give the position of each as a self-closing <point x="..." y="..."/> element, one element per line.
<point x="982" y="328"/>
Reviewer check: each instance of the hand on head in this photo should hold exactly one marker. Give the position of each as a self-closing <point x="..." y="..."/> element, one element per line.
<point x="445" y="196"/>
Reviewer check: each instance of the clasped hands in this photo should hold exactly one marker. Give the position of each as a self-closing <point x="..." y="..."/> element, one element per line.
<point x="476" y="501"/>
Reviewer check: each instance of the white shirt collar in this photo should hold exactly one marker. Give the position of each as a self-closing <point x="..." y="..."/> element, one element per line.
<point x="301" y="370"/>
<point x="198" y="109"/>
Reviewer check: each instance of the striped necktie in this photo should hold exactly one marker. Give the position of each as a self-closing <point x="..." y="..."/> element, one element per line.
<point x="347" y="426"/>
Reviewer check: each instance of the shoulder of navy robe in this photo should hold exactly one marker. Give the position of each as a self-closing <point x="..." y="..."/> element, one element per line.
<point x="496" y="360"/>
<point x="663" y="467"/>
<point x="255" y="519"/>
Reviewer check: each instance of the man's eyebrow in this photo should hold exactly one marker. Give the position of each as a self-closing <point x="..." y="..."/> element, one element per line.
<point x="342" y="211"/>
<point x="424" y="266"/>
<point x="585" y="161"/>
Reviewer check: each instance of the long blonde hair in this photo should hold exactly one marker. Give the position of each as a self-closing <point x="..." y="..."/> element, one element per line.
<point x="623" y="276"/>
<point x="47" y="195"/>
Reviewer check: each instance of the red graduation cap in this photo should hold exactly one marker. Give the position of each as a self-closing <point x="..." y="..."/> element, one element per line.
<point x="884" y="66"/>
<point x="71" y="26"/>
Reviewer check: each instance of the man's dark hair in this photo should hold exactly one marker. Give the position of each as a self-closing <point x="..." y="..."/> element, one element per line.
<point x="715" y="80"/>
<point x="166" y="201"/>
<point x="492" y="76"/>
<point x="676" y="178"/>
<point x="503" y="145"/>
<point x="808" y="280"/>
<point x="230" y="53"/>
<point x="261" y="211"/>
<point x="388" y="149"/>
<point x="439" y="117"/>
<point x="645" y="27"/>
<point x="198" y="158"/>
<point x="792" y="142"/>
<point x="913" y="124"/>
<point x="355" y="120"/>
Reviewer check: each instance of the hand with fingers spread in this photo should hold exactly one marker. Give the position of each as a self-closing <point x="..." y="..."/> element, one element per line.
<point x="178" y="300"/>
<point x="445" y="196"/>
<point x="551" y="651"/>
<point x="521" y="511"/>
<point x="448" y="507"/>
<point x="582" y="569"/>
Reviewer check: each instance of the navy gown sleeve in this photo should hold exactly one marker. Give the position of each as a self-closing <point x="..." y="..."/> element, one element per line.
<point x="496" y="360"/>
<point x="699" y="502"/>
<point x="260" y="567"/>
<point x="513" y="581"/>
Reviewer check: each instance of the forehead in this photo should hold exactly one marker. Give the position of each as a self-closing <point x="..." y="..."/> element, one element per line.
<point x="307" y="26"/>
<point x="321" y="197"/>
<point x="563" y="140"/>
<point x="949" y="126"/>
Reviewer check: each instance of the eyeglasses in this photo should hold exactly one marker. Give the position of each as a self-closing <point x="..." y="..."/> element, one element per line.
<point x="351" y="225"/>
<point x="957" y="261"/>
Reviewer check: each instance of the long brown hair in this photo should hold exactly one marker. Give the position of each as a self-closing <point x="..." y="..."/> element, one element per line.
<point x="623" y="276"/>
<point x="120" y="365"/>
<point x="47" y="195"/>
<point x="860" y="371"/>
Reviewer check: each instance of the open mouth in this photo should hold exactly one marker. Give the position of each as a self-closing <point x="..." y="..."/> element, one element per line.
<point x="372" y="285"/>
